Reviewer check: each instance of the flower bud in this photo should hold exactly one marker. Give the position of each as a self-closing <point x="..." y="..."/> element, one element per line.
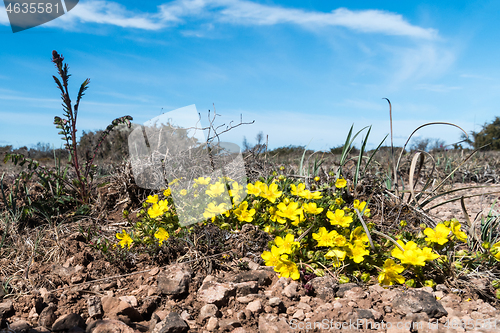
<point x="430" y="283"/>
<point x="410" y="283"/>
<point x="343" y="279"/>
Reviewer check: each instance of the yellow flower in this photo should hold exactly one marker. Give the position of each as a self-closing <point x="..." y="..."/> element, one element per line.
<point x="167" y="192"/>
<point x="273" y="212"/>
<point x="287" y="268"/>
<point x="298" y="190"/>
<point x="152" y="199"/>
<point x="202" y="181"/>
<point x="125" y="239"/>
<point x="254" y="189"/>
<point x="360" y="206"/>
<point x="162" y="235"/>
<point x="286" y="245"/>
<point x="340" y="183"/>
<point x="429" y="255"/>
<point x="359" y="236"/>
<point x="312" y="208"/>
<point x="183" y="192"/>
<point x="311" y="196"/>
<point x="316" y="179"/>
<point x="175" y="181"/>
<point x="216" y="190"/>
<point x="357" y="252"/>
<point x="336" y="255"/>
<point x="339" y="219"/>
<point x="390" y="273"/>
<point x="270" y="193"/>
<point x="156" y="210"/>
<point x="212" y="210"/>
<point x="495" y="250"/>
<point x="440" y="235"/>
<point x="455" y="228"/>
<point x="243" y="214"/>
<point x="271" y="258"/>
<point x="289" y="211"/>
<point x="323" y="237"/>
<point x="412" y="255"/>
<point x="339" y="201"/>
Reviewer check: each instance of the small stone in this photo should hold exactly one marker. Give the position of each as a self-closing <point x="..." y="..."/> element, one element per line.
<point x="212" y="324"/>
<point x="6" y="309"/>
<point x="207" y="311"/>
<point x="175" y="280"/>
<point x="132" y="300"/>
<point x="304" y="306"/>
<point x="109" y="326"/>
<point x="274" y="301"/>
<point x="290" y="291"/>
<point x="255" y="306"/>
<point x="173" y="323"/>
<point x="299" y="314"/>
<point x="47" y="316"/>
<point x="94" y="307"/>
<point x="67" y="322"/>
<point x="20" y="326"/>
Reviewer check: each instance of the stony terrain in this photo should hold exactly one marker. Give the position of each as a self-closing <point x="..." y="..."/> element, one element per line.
<point x="82" y="291"/>
<point x="176" y="299"/>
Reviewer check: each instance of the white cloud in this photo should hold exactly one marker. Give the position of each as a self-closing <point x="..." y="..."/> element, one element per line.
<point x="107" y="12"/>
<point x="436" y="87"/>
<point x="242" y="12"/>
<point x="422" y="61"/>
<point x="238" y="12"/>
<point x="474" y="76"/>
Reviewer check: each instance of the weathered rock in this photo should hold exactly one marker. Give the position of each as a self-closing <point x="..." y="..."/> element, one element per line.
<point x="290" y="291"/>
<point x="174" y="280"/>
<point x="114" y="307"/>
<point x="364" y="314"/>
<point x="173" y="323"/>
<point x="212" y="324"/>
<point x="255" y="306"/>
<point x="20" y="326"/>
<point x="264" y="278"/>
<point x="94" y="307"/>
<point x="245" y="288"/>
<point x="414" y="301"/>
<point x="342" y="288"/>
<point x="148" y="306"/>
<point x="109" y="326"/>
<point x="47" y="317"/>
<point x="228" y="324"/>
<point x="207" y="311"/>
<point x="213" y="292"/>
<point x="39" y="329"/>
<point x="269" y="323"/>
<point x="132" y="300"/>
<point x="275" y="301"/>
<point x="6" y="309"/>
<point x="324" y="287"/>
<point x="68" y="321"/>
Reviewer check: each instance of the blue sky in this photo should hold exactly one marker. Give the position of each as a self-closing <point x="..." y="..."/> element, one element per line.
<point x="303" y="70"/>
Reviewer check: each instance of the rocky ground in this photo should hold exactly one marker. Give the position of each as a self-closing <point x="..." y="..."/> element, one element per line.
<point x="82" y="291"/>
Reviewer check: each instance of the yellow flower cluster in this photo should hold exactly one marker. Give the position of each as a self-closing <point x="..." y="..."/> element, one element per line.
<point x="279" y="257"/>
